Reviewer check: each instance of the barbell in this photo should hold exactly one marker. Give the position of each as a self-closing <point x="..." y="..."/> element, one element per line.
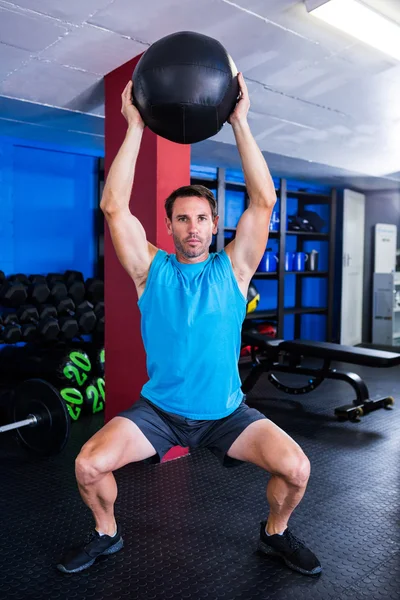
<point x="41" y="418"/>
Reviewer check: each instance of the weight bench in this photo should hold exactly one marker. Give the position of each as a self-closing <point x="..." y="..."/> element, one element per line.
<point x="272" y="356"/>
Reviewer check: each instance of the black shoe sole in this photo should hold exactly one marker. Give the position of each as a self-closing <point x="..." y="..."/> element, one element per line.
<point x="111" y="550"/>
<point x="272" y="552"/>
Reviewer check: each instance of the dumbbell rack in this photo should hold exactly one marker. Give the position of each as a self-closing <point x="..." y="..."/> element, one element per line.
<point x="55" y="307"/>
<point x="52" y="328"/>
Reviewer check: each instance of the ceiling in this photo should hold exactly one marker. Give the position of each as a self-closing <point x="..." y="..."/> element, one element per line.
<point x="322" y="105"/>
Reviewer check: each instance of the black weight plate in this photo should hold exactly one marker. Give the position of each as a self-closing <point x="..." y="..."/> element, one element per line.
<point x="40" y="398"/>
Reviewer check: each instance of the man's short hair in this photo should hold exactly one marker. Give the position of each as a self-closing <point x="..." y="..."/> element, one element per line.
<point x="196" y="191"/>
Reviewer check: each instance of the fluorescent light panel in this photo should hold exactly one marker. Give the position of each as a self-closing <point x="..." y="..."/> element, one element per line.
<point x="363" y="23"/>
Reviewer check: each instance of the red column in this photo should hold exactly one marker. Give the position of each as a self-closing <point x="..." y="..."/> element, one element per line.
<point x="162" y="166"/>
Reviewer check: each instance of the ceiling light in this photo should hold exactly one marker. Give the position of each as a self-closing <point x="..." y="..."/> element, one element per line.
<point x="360" y="21"/>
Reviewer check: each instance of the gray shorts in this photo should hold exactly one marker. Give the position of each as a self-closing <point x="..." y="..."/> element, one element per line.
<point x="165" y="430"/>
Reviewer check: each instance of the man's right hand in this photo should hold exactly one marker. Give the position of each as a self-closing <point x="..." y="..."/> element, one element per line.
<point x="128" y="109"/>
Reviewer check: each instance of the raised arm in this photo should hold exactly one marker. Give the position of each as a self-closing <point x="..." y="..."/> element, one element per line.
<point x="247" y="249"/>
<point x="129" y="238"/>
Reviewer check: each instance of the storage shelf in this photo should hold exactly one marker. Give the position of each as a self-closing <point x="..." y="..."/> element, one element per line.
<point x="313" y="197"/>
<point x="308" y="273"/>
<point x="240" y="185"/>
<point x="203" y="181"/>
<point x="272" y="234"/>
<point x="272" y="314"/>
<point x="269" y="275"/>
<point x="279" y="240"/>
<point x="275" y="274"/>
<point x="305" y="310"/>
<point x="311" y="234"/>
<point x="262" y="314"/>
<point x="305" y="234"/>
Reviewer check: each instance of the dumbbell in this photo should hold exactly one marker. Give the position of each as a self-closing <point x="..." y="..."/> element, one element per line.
<point x="13" y="293"/>
<point x="40" y="291"/>
<point x="9" y="334"/>
<point x="83" y="313"/>
<point x="64" y="329"/>
<point x="45" y="321"/>
<point x="71" y="277"/>
<point x="37" y="290"/>
<point x="68" y="277"/>
<point x="28" y="330"/>
<point x="58" y="289"/>
<point x="94" y="290"/>
<point x="17" y="289"/>
<point x="99" y="312"/>
<point x="65" y="285"/>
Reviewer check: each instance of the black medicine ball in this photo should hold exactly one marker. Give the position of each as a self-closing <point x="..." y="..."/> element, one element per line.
<point x="185" y="87"/>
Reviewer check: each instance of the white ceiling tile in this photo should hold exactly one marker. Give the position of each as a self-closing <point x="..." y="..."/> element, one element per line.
<point x="149" y="21"/>
<point x="11" y="59"/>
<point x="330" y="40"/>
<point x="325" y="87"/>
<point x="371" y="98"/>
<point x="93" y="49"/>
<point x="71" y="11"/>
<point x="291" y="108"/>
<point x="269" y="51"/>
<point x="266" y="8"/>
<point x="49" y="84"/>
<point x="28" y="31"/>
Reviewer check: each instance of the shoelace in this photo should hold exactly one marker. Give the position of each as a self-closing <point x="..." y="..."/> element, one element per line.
<point x="293" y="541"/>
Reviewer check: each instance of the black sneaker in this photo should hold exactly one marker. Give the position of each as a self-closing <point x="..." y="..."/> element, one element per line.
<point x="291" y="549"/>
<point x="81" y="558"/>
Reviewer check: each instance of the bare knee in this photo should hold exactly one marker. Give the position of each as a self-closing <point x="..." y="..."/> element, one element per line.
<point x="297" y="470"/>
<point x="89" y="465"/>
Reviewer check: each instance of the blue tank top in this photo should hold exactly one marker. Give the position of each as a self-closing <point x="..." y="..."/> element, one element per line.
<point x="192" y="316"/>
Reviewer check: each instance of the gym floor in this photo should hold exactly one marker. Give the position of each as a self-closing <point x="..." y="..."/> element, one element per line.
<point x="191" y="527"/>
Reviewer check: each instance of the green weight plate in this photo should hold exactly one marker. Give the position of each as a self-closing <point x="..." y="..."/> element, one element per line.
<point x="38" y="397"/>
<point x="101" y="362"/>
<point x="95" y="396"/>
<point x="74" y="368"/>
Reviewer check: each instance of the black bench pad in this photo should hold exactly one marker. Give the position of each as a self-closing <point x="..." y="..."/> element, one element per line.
<point x="324" y="350"/>
<point x="348" y="354"/>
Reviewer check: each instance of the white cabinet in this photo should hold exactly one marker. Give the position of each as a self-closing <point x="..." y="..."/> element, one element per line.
<point x="386" y="309"/>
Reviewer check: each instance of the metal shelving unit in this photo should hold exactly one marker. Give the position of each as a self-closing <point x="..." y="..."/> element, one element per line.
<point x="386" y="309"/>
<point x="304" y="198"/>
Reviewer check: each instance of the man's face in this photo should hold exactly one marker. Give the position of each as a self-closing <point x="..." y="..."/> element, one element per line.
<point x="192" y="226"/>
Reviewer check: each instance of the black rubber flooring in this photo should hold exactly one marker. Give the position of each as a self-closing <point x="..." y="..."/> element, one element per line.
<point x="191" y="527"/>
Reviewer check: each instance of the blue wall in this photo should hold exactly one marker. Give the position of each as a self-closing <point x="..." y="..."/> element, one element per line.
<point x="48" y="199"/>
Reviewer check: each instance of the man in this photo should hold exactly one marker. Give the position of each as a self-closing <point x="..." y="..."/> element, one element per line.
<point x="192" y="304"/>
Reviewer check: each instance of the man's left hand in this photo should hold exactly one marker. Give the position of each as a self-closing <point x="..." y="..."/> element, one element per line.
<point x="239" y="114"/>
